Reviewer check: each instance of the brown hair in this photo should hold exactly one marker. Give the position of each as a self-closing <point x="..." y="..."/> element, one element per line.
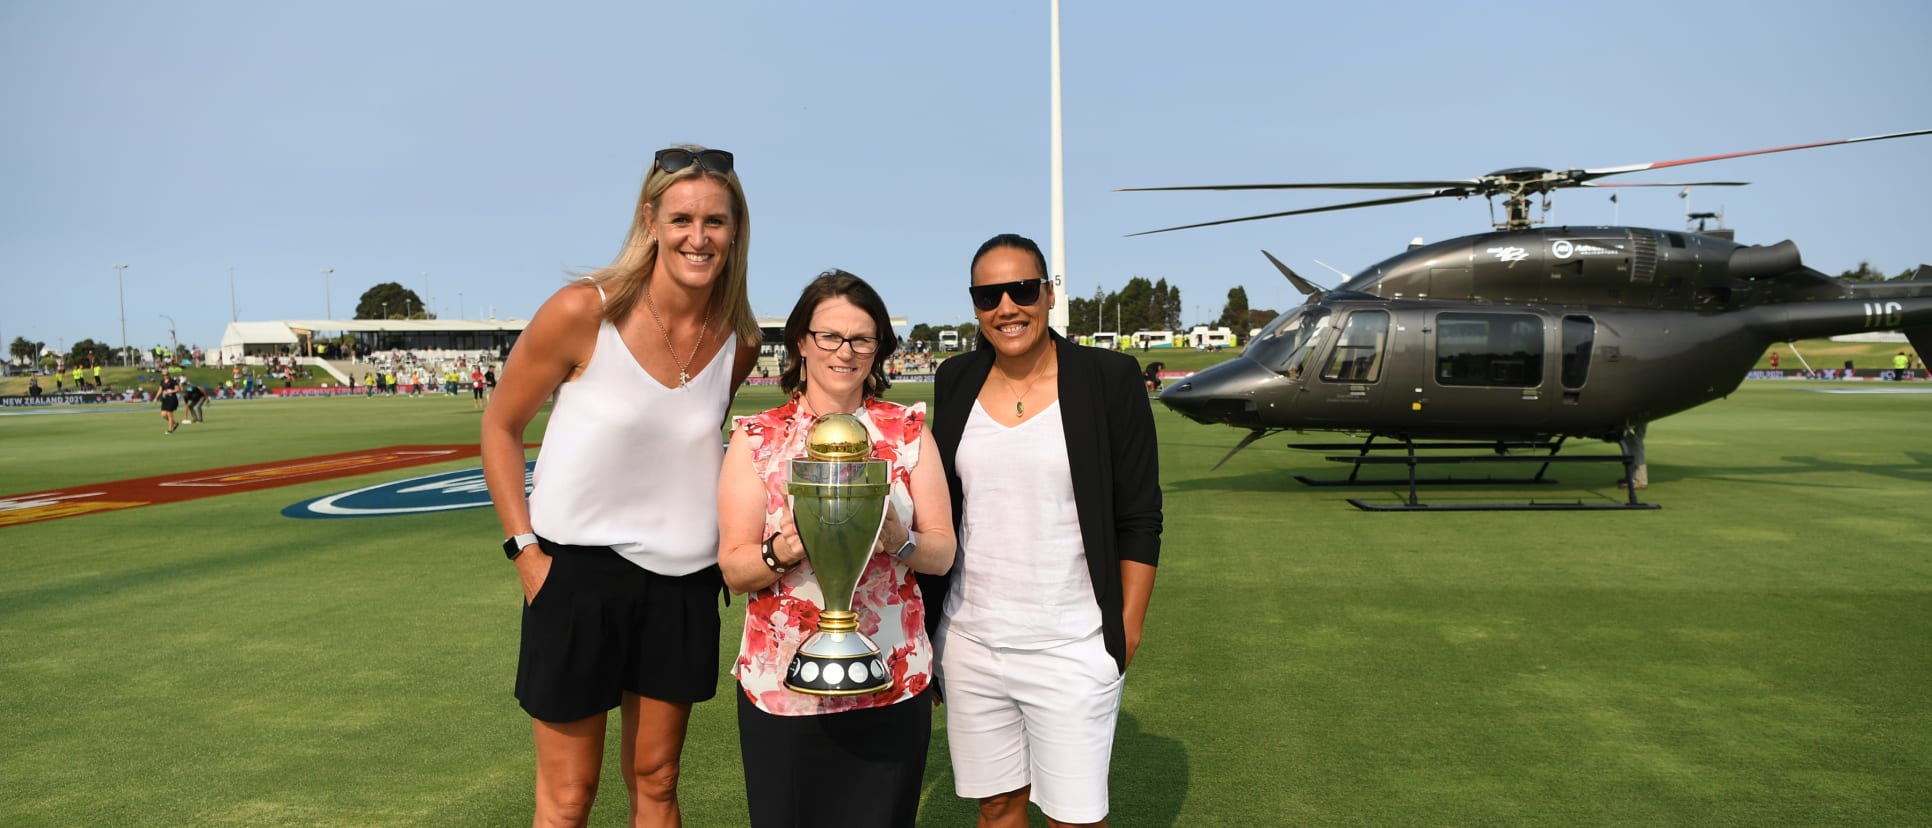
<point x="837" y="284"/>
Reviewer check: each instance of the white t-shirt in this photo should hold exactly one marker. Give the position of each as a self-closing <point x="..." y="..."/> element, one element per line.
<point x="1021" y="579"/>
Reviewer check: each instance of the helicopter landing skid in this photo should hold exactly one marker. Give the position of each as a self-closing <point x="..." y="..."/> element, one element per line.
<point x="1495" y="452"/>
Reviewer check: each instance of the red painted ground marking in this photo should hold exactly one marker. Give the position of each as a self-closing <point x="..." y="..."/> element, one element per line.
<point x="170" y="488"/>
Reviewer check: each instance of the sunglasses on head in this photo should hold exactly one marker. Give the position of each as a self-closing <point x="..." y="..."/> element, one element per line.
<point x="1025" y="293"/>
<point x="675" y="159"/>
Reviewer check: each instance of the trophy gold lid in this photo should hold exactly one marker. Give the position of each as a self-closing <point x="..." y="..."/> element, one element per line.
<point x="838" y="438"/>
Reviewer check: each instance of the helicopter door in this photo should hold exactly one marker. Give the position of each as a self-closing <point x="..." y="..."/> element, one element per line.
<point x="1352" y="370"/>
<point x="1488" y="373"/>
<point x="1579" y="338"/>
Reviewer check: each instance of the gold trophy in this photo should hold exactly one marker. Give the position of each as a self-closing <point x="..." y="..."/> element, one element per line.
<point x="838" y="496"/>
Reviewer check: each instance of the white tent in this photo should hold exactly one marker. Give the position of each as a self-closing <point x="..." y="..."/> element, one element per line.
<point x="247" y="338"/>
<point x="297" y="336"/>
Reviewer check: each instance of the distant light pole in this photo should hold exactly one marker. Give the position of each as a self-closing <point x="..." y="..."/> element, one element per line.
<point x="328" y="304"/>
<point x="120" y="284"/>
<point x="385" y="310"/>
<point x="459" y="304"/>
<point x="234" y="311"/>
<point x="174" y="345"/>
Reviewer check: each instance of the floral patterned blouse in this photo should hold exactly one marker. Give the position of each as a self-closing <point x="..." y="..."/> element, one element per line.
<point x="891" y="612"/>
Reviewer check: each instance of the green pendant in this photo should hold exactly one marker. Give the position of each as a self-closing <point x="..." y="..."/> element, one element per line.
<point x="1019" y="408"/>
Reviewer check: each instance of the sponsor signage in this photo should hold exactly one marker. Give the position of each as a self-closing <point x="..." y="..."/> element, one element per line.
<point x="30" y="507"/>
<point x="444" y="492"/>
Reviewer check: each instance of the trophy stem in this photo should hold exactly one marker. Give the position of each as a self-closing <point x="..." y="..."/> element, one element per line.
<point x="838" y="621"/>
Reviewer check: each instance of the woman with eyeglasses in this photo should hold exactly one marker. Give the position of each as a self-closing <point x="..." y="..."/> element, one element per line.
<point x="852" y="760"/>
<point x="615" y="545"/>
<point x="1049" y="453"/>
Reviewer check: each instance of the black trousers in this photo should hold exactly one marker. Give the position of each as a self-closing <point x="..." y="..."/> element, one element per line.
<point x="857" y="769"/>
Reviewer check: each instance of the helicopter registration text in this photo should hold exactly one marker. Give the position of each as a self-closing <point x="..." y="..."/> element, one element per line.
<point x="1887" y="315"/>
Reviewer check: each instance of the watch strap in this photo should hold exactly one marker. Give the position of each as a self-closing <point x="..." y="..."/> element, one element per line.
<point x="515" y="544"/>
<point x="771" y="556"/>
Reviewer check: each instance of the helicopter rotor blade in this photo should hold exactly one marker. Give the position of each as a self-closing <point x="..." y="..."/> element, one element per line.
<point x="1333" y="185"/>
<point x="1306" y="287"/>
<point x="1351" y="205"/>
<point x="1666" y="184"/>
<point x="1586" y="175"/>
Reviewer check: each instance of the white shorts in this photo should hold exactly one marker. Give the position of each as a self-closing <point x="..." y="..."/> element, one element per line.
<point x="1043" y="718"/>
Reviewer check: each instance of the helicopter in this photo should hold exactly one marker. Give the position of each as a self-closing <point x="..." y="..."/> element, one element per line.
<point x="1500" y="346"/>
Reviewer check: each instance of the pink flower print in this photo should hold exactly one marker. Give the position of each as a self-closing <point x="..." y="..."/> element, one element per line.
<point x="914" y="684"/>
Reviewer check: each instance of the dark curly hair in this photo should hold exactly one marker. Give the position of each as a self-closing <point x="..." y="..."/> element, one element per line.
<point x="837" y="284"/>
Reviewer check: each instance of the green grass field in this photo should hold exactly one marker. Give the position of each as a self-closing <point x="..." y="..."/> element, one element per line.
<point x="1753" y="653"/>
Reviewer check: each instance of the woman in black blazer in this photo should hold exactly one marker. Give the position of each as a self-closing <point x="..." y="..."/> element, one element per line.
<point x="1050" y="454"/>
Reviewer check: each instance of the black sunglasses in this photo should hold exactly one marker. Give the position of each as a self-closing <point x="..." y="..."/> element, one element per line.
<point x="1025" y="292"/>
<point x="675" y="159"/>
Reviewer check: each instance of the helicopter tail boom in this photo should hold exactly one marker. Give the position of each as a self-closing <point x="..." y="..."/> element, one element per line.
<point x="1880" y="307"/>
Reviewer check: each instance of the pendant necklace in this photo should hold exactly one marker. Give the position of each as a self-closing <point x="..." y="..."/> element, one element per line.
<point x="1019" y="397"/>
<point x="684" y="365"/>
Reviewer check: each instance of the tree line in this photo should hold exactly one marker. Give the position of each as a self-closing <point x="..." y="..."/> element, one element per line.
<point x="1141" y="305"/>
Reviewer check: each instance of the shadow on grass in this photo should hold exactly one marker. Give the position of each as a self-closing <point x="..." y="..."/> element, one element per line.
<point x="1917" y="468"/>
<point x="1150" y="776"/>
<point x="1269" y="480"/>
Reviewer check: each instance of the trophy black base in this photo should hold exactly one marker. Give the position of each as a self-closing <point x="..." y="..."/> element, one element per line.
<point x="838" y="664"/>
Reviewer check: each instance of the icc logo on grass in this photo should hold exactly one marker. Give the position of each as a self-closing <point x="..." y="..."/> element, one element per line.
<point x="444" y="492"/>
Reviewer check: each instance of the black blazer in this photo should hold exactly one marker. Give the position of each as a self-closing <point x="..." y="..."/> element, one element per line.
<point x="1110" y="449"/>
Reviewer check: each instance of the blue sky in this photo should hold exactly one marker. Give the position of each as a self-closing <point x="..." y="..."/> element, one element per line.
<point x="495" y="147"/>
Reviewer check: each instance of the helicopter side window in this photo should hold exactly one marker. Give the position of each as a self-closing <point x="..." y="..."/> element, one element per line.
<point x="1579" y="335"/>
<point x="1498" y="350"/>
<point x="1358" y="351"/>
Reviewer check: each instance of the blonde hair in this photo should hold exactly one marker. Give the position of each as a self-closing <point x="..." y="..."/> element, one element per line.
<point x="625" y="278"/>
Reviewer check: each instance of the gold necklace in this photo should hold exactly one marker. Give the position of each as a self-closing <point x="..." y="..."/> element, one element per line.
<point x="684" y="365"/>
<point x="1019" y="397"/>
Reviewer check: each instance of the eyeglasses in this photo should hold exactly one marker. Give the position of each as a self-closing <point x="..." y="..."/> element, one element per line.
<point x="1025" y="293"/>
<point x="675" y="159"/>
<point x="861" y="345"/>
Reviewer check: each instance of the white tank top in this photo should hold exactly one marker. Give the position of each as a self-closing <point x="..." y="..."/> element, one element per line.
<point x="630" y="464"/>
<point x="1021" y="580"/>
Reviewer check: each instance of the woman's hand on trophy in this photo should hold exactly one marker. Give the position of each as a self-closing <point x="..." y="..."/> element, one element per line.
<point x="787" y="546"/>
<point x="893" y="533"/>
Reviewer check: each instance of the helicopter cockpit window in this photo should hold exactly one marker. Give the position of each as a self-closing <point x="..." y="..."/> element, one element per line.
<point x="1283" y="345"/>
<point x="1500" y="350"/>
<point x="1358" y="351"/>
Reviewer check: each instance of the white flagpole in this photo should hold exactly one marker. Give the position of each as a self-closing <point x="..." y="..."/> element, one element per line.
<point x="1057" y="317"/>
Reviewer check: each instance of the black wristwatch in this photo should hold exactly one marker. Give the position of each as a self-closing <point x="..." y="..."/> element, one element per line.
<point x="771" y="556"/>
<point x="513" y="546"/>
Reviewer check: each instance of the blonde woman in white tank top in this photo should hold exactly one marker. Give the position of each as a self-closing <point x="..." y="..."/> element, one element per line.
<point x="664" y="335"/>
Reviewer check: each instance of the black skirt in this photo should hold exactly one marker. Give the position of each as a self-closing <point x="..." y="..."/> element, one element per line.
<point x="856" y="769"/>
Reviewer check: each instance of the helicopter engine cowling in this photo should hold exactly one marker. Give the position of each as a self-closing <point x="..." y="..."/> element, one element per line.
<point x="1765" y="261"/>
